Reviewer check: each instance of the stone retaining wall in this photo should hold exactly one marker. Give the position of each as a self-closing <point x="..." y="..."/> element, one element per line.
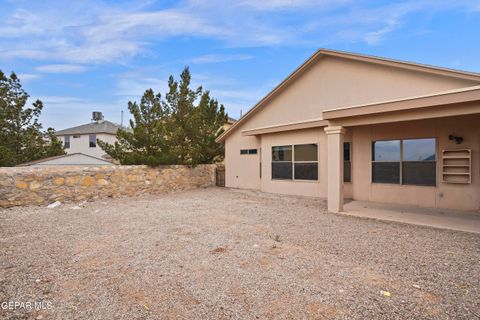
<point x="40" y="186"/>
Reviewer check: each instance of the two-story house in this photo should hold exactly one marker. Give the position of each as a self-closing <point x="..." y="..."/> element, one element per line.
<point x="83" y="139"/>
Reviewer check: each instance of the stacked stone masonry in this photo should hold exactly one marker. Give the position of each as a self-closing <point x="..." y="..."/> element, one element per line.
<point x="40" y="186"/>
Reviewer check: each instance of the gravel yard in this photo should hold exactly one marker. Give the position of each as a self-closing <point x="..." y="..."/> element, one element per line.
<point x="220" y="254"/>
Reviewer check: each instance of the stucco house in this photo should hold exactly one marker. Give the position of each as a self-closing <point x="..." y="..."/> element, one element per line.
<point x="346" y="125"/>
<point x="83" y="139"/>
<point x="229" y="123"/>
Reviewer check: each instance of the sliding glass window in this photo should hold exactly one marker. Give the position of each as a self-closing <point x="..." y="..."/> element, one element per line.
<point x="295" y="162"/>
<point x="409" y="162"/>
<point x="386" y="161"/>
<point x="282" y="162"/>
<point x="419" y="165"/>
<point x="306" y="162"/>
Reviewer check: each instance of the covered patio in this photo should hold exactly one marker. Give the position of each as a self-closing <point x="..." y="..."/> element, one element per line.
<point x="384" y="167"/>
<point x="430" y="217"/>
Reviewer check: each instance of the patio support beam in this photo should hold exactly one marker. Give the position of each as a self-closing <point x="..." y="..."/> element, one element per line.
<point x="335" y="167"/>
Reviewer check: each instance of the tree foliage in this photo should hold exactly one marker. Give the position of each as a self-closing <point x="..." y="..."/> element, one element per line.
<point x="179" y="129"/>
<point x="21" y="135"/>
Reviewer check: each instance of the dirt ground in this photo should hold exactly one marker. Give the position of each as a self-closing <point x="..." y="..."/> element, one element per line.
<point x="229" y="254"/>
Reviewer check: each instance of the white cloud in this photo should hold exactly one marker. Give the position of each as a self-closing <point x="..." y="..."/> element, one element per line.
<point x="62" y="99"/>
<point x="26" y="77"/>
<point x="165" y="23"/>
<point x="216" y="58"/>
<point x="133" y="86"/>
<point x="375" y="37"/>
<point x="93" y="32"/>
<point x="61" y="68"/>
<point x="289" y="4"/>
<point x="21" y="23"/>
<point x="34" y="54"/>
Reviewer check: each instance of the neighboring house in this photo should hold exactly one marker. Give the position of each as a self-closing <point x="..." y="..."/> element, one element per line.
<point x="73" y="159"/>
<point x="83" y="139"/>
<point x="366" y="128"/>
<point x="229" y="123"/>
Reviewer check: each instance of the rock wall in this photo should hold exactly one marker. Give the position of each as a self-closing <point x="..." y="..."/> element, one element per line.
<point x="22" y="186"/>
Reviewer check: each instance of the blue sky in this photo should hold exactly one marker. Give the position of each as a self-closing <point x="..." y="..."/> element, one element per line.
<point x="82" y="56"/>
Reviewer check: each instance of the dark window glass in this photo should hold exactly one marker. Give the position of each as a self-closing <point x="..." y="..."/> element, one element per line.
<point x="386" y="172"/>
<point x="282" y="170"/>
<point x="346" y="151"/>
<point x="248" y="151"/>
<point x="421" y="173"/>
<point x="347" y="176"/>
<point x="419" y="150"/>
<point x="386" y="150"/>
<point x="306" y="152"/>
<point x="418" y="162"/>
<point x="282" y="153"/>
<point x="92" y="140"/>
<point x="67" y="142"/>
<point x="306" y="171"/>
<point x="347" y="171"/>
<point x="260" y="157"/>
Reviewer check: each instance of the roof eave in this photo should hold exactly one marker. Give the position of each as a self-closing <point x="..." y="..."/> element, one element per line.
<point x="359" y="57"/>
<point x="446" y="98"/>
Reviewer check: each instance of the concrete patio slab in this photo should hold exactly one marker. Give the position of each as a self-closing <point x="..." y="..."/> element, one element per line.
<point x="431" y="217"/>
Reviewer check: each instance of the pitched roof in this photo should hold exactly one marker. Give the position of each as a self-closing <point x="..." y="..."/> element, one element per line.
<point x="94" y="127"/>
<point x="26" y="164"/>
<point x="468" y="94"/>
<point x="352" y="56"/>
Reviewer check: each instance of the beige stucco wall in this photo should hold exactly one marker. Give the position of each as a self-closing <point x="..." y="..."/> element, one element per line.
<point x="81" y="145"/>
<point x="242" y="171"/>
<point x="452" y="196"/>
<point x="335" y="82"/>
<point x="297" y="187"/>
<point x="331" y="82"/>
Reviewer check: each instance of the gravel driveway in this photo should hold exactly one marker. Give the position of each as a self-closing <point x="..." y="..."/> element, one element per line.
<point x="221" y="254"/>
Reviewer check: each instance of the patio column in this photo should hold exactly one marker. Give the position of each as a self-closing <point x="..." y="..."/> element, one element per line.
<point x="335" y="167"/>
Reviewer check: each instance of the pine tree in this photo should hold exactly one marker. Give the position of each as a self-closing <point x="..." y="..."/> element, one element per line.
<point x="145" y="142"/>
<point x="21" y="138"/>
<point x="182" y="126"/>
<point x="174" y="130"/>
<point x="209" y="119"/>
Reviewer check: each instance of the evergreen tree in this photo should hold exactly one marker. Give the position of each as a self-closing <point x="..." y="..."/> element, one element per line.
<point x="145" y="142"/>
<point x="209" y="119"/>
<point x="180" y="129"/>
<point x="21" y="138"/>
<point x="182" y="125"/>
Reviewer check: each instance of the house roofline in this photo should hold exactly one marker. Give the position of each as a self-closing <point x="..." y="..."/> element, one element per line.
<point x="461" y="95"/>
<point x="306" y="124"/>
<point x="59" y="157"/>
<point x="352" y="56"/>
<point x="59" y="133"/>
